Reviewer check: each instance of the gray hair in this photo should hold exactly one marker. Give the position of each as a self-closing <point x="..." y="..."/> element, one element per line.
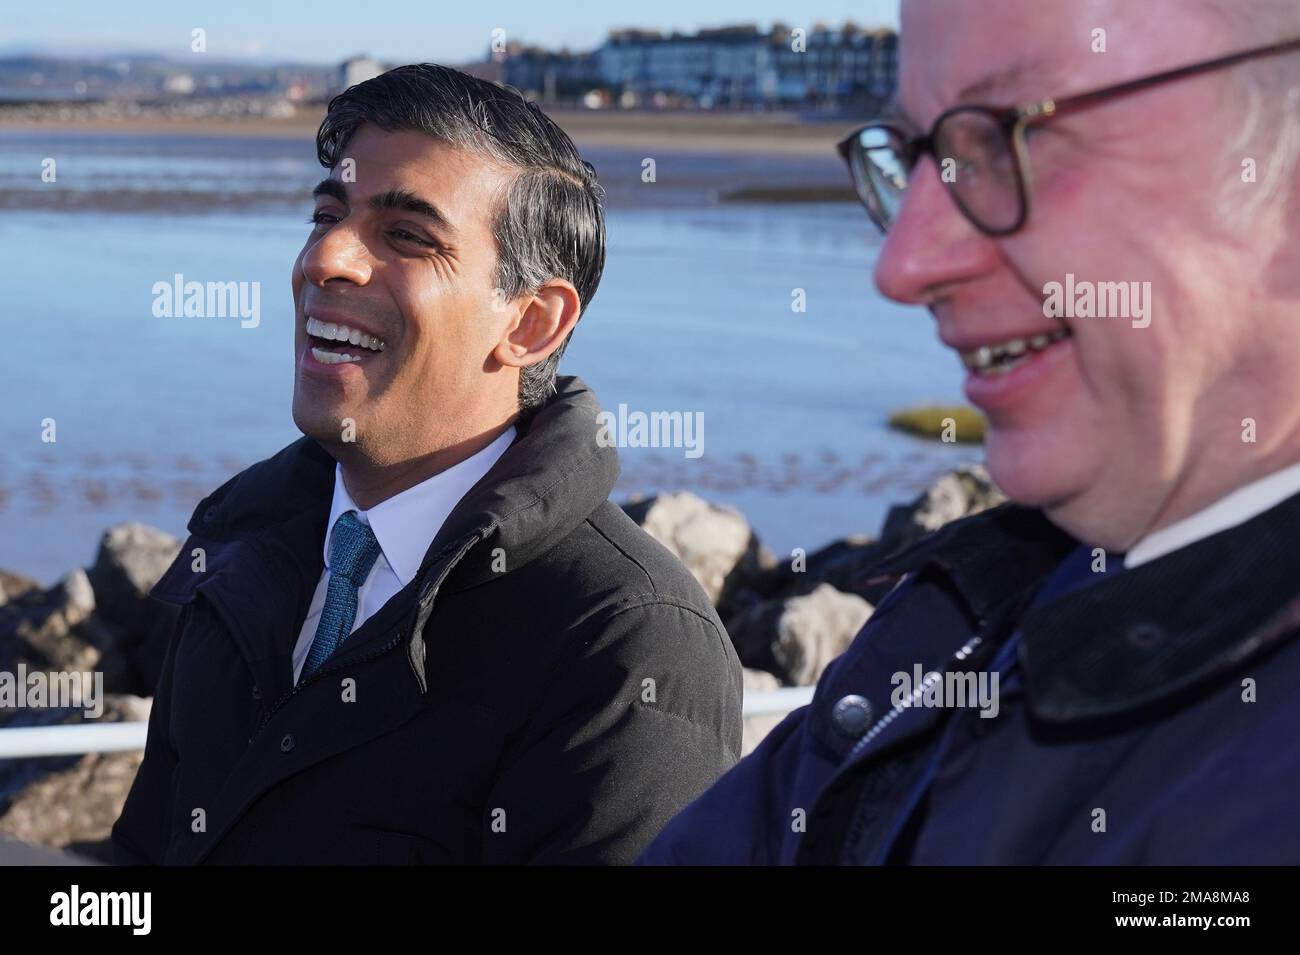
<point x="1266" y="94"/>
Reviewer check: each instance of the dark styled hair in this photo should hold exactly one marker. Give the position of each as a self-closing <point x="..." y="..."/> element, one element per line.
<point x="551" y="223"/>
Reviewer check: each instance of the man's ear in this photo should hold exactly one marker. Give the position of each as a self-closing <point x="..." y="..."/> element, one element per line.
<point x="547" y="318"/>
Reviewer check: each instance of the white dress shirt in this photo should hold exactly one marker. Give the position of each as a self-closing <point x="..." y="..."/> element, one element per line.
<point x="404" y="525"/>
<point x="1236" y="508"/>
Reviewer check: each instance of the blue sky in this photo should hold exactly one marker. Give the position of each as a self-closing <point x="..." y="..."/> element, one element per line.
<point x="326" y="31"/>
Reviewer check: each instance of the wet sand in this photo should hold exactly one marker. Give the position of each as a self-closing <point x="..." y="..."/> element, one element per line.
<point x="775" y="134"/>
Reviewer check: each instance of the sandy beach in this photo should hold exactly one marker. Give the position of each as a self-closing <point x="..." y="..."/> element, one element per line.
<point x="775" y="134"/>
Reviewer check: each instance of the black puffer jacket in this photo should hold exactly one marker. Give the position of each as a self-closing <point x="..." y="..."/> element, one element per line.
<point x="552" y="687"/>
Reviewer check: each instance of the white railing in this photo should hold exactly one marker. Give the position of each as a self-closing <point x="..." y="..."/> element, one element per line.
<point x="777" y="702"/>
<point x="26" y="742"/>
<point x="29" y="742"/>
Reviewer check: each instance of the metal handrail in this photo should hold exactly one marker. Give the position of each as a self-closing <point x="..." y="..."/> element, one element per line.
<point x="30" y="742"/>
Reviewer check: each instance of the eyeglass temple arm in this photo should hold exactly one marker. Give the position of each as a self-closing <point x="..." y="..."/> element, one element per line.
<point x="1052" y="107"/>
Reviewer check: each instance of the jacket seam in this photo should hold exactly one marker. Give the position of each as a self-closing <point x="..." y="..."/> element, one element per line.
<point x="538" y="497"/>
<point x="622" y="550"/>
<point x="646" y="707"/>
<point x="663" y="600"/>
<point x="654" y="599"/>
<point x="632" y="602"/>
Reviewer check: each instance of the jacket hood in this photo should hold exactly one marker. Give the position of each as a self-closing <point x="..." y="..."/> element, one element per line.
<point x="550" y="479"/>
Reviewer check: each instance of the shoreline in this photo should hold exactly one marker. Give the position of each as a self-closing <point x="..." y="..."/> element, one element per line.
<point x="775" y="134"/>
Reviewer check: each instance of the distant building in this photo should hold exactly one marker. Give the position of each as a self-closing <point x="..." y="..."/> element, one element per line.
<point x="741" y="66"/>
<point x="544" y="75"/>
<point x="357" y="70"/>
<point x="843" y="65"/>
<point x="709" y="68"/>
<point x="736" y="66"/>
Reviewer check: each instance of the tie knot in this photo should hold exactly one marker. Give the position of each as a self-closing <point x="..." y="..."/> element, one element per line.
<point x="353" y="548"/>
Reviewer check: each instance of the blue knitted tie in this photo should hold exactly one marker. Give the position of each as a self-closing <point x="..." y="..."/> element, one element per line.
<point x="353" y="551"/>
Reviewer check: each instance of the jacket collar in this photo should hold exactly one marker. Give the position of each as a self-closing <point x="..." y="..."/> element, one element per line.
<point x="1153" y="634"/>
<point x="545" y="484"/>
<point x="1133" y="640"/>
<point x="991" y="558"/>
<point x="548" y="481"/>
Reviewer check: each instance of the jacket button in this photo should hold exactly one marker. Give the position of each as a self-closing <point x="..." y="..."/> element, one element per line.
<point x="287" y="743"/>
<point x="257" y="693"/>
<point x="852" y="715"/>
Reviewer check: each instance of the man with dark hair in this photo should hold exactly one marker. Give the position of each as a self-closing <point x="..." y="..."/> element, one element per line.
<point x="422" y="633"/>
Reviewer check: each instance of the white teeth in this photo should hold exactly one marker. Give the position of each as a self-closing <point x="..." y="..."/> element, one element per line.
<point x="332" y="331"/>
<point x="332" y="357"/>
<point x="1002" y="357"/>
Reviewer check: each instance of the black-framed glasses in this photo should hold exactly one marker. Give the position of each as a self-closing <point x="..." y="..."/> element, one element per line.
<point x="981" y="150"/>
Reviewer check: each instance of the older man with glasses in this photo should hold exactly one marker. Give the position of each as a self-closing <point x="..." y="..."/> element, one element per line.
<point x="1136" y="607"/>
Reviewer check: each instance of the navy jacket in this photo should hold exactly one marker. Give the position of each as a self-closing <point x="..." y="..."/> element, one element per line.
<point x="1155" y="722"/>
<point x="551" y="687"/>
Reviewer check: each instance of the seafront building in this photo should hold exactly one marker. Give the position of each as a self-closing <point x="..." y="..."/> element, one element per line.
<point x="734" y="66"/>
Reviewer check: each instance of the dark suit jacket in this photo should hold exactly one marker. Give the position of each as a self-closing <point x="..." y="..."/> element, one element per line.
<point x="552" y="687"/>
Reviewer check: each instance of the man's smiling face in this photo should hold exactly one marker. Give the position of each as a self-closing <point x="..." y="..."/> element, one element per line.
<point x="1114" y="429"/>
<point x="403" y="260"/>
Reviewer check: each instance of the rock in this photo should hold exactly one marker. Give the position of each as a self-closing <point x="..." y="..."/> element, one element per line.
<point x="49" y="629"/>
<point x="759" y="681"/>
<point x="715" y="543"/>
<point x="14" y="586"/>
<point x="796" y="637"/>
<point x="958" y="494"/>
<point x="847" y="565"/>
<point x="130" y="560"/>
<point x="62" y="801"/>
<point x="78" y="597"/>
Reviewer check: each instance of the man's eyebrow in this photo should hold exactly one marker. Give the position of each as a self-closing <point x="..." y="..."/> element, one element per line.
<point x="1006" y="78"/>
<point x="401" y="199"/>
<point x="408" y="201"/>
<point x="976" y="92"/>
<point x="332" y="188"/>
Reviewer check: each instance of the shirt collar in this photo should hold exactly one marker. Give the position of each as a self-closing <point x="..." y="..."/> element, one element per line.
<point x="1236" y="508"/>
<point x="406" y="524"/>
